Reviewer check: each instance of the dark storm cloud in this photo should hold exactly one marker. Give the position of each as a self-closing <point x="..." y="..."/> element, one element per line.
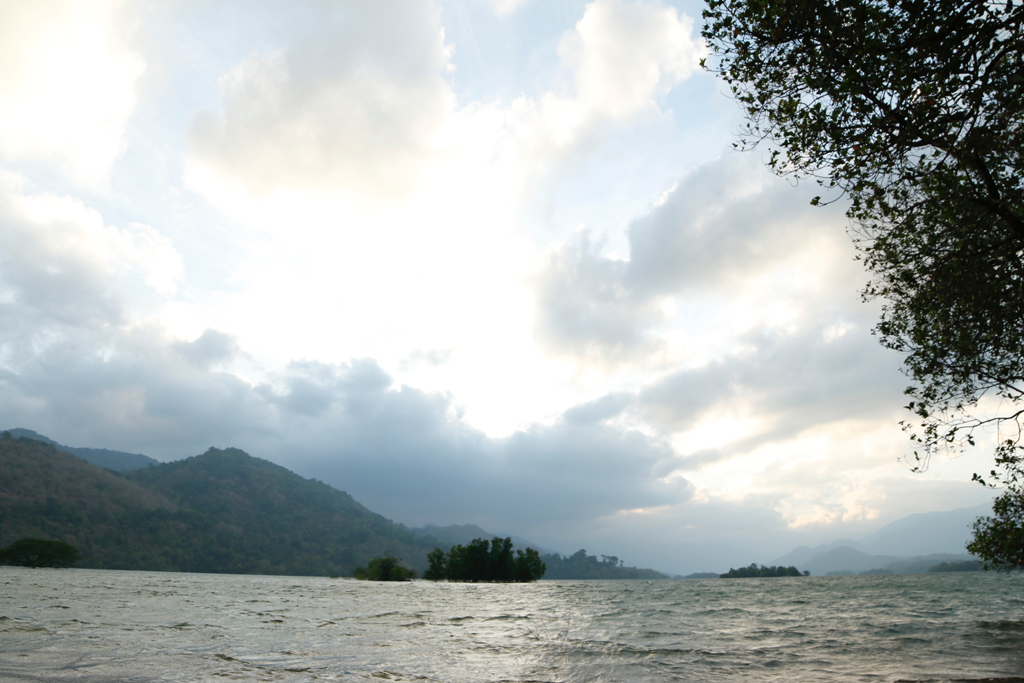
<point x="132" y="391"/>
<point x="405" y="450"/>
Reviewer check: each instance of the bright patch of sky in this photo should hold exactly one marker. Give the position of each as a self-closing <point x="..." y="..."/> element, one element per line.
<point x="473" y="261"/>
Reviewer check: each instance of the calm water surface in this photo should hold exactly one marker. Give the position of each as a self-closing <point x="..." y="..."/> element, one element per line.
<point x="90" y="625"/>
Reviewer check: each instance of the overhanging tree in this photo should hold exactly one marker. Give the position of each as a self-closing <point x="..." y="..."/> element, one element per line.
<point x="912" y="109"/>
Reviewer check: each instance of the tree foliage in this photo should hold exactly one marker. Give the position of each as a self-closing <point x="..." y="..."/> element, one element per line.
<point x="485" y="561"/>
<point x="387" y="568"/>
<point x="37" y="552"/>
<point x="999" y="540"/>
<point x="912" y="110"/>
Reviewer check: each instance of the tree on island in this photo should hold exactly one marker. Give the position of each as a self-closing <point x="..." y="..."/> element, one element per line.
<point x="387" y="568"/>
<point x="912" y="110"/>
<point x="754" y="571"/>
<point x="579" y="565"/>
<point x="485" y="561"/>
<point x="36" y="552"/>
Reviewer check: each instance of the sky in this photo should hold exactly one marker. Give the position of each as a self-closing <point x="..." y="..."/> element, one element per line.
<point x="488" y="262"/>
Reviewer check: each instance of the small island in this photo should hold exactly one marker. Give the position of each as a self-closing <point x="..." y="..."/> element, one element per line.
<point x="755" y="571"/>
<point x="485" y="561"/>
<point x="387" y="568"/>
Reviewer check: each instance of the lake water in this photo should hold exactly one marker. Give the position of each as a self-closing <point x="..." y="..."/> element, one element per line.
<point x="99" y="626"/>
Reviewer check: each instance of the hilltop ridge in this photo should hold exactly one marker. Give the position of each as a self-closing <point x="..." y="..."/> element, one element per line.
<point x="101" y="457"/>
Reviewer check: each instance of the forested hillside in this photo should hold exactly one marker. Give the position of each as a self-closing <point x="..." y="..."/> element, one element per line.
<point x="223" y="511"/>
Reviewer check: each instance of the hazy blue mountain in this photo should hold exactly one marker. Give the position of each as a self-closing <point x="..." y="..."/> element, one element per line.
<point x="920" y="535"/>
<point x="925" y="533"/>
<point x="101" y="457"/>
<point x="922" y="563"/>
<point x="803" y="554"/>
<point x="847" y="559"/>
<point x="844" y="557"/>
<point x="461" y="534"/>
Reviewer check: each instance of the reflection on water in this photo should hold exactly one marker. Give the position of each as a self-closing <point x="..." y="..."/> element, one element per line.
<point x="91" y="625"/>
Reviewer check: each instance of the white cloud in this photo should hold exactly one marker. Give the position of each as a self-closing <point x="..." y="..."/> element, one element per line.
<point x="67" y="85"/>
<point x="63" y="265"/>
<point x="621" y="58"/>
<point x="506" y="6"/>
<point x="355" y="104"/>
<point x="728" y="250"/>
<point x="625" y="55"/>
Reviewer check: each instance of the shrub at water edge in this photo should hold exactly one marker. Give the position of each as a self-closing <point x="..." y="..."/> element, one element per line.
<point x="36" y="552"/>
<point x="387" y="568"/>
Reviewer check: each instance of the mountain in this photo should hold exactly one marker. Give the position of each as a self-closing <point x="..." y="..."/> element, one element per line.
<point x="801" y="555"/>
<point x="910" y="544"/>
<point x="223" y="511"/>
<point x="845" y="558"/>
<point x="101" y="457"/>
<point x="927" y="535"/>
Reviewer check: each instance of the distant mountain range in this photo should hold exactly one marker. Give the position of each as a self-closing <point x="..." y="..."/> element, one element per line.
<point x="910" y="544"/>
<point x="227" y="511"/>
<point x="223" y="511"/>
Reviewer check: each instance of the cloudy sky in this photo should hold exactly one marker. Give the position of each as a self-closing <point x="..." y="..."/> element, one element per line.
<point x="472" y="261"/>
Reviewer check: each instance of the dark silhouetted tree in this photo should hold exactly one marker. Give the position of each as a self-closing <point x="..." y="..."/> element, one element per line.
<point x="485" y="561"/>
<point x="387" y="568"/>
<point x="999" y="540"/>
<point x="36" y="552"/>
<point x="912" y="110"/>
